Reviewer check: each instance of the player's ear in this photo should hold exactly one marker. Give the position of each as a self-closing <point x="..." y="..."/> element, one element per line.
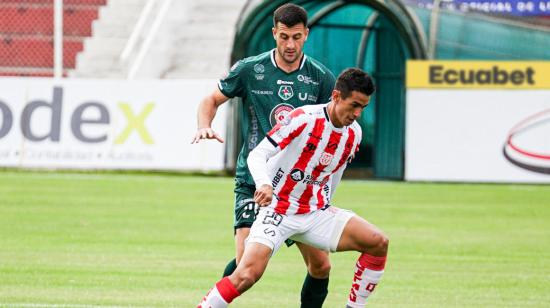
<point x="307" y="34"/>
<point x="336" y="94"/>
<point x="274" y="31"/>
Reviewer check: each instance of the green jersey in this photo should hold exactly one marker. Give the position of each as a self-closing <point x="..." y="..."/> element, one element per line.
<point x="268" y="94"/>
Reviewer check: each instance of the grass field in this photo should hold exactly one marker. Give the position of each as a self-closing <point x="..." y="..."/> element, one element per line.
<point x="82" y="240"/>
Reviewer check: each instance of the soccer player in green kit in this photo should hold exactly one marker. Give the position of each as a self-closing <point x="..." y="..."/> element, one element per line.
<point x="271" y="85"/>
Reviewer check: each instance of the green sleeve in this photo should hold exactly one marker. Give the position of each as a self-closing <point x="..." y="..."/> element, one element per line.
<point x="326" y="87"/>
<point x="232" y="85"/>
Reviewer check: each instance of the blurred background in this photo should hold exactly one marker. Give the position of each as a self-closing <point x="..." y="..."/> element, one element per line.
<point x="172" y="52"/>
<point x="169" y="54"/>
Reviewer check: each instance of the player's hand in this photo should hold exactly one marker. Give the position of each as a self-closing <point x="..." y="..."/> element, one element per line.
<point x="263" y="195"/>
<point x="206" y="133"/>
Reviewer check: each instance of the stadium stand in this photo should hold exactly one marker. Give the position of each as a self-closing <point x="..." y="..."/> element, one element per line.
<point x="188" y="44"/>
<point x="26" y="34"/>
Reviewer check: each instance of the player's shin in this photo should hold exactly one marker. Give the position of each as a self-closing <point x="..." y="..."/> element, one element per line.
<point x="368" y="271"/>
<point x="230" y="268"/>
<point x="314" y="292"/>
<point x="220" y="296"/>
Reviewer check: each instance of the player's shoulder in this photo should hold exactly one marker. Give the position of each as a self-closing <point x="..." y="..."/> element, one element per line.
<point x="356" y="128"/>
<point x="318" y="67"/>
<point x="311" y="111"/>
<point x="252" y="61"/>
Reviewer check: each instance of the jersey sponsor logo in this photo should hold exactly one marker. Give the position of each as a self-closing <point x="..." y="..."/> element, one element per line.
<point x="306" y="80"/>
<point x="310" y="180"/>
<point x="297" y="175"/>
<point x="277" y="178"/>
<point x="307" y="97"/>
<point x="262" y="92"/>
<point x="284" y="82"/>
<point x="280" y="114"/>
<point x="259" y="68"/>
<point x="286" y="92"/>
<point x="326" y="159"/>
<point x="253" y="130"/>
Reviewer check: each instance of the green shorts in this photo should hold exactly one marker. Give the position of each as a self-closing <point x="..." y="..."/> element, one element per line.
<point x="245" y="207"/>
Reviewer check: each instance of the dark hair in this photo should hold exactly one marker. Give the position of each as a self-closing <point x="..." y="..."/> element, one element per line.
<point x="290" y="14"/>
<point x="354" y="79"/>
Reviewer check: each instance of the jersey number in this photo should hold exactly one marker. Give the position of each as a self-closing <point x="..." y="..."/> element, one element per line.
<point x="273" y="218"/>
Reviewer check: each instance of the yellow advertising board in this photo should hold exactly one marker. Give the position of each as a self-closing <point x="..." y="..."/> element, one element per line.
<point x="478" y="74"/>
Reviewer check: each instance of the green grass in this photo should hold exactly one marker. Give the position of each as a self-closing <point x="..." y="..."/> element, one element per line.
<point x="162" y="241"/>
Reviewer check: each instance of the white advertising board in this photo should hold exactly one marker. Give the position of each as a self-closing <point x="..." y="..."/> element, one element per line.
<point x="106" y="124"/>
<point x="478" y="134"/>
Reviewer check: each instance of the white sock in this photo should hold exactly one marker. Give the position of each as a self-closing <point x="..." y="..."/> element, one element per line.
<point x="368" y="271"/>
<point x="213" y="300"/>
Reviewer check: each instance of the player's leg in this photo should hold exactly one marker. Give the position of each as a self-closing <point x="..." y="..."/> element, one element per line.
<point x="334" y="229"/>
<point x="315" y="287"/>
<point x="366" y="238"/>
<point x="266" y="236"/>
<point x="245" y="214"/>
<point x="240" y="236"/>
<point x="249" y="270"/>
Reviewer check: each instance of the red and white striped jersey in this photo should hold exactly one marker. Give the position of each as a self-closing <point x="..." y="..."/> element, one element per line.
<point x="303" y="152"/>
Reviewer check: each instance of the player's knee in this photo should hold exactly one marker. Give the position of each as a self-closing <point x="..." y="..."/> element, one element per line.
<point x="319" y="270"/>
<point x="378" y="246"/>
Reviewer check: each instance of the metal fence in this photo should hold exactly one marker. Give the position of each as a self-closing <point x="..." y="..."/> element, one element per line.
<point x="41" y="38"/>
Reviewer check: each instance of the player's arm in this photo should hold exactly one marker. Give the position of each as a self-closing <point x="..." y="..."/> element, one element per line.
<point x="257" y="164"/>
<point x="206" y="113"/>
<point x="228" y="87"/>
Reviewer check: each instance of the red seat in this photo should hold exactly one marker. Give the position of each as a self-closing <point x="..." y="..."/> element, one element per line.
<point x="36" y="52"/>
<point x="75" y="2"/>
<point x="39" y="20"/>
<point x="26" y="34"/>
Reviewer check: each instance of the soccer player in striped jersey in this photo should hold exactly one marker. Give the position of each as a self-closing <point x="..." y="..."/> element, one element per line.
<point x="296" y="169"/>
<point x="270" y="86"/>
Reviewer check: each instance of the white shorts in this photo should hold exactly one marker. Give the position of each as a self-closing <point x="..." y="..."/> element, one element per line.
<point x="321" y="229"/>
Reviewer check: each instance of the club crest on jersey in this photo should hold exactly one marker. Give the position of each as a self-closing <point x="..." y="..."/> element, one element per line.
<point x="259" y="68"/>
<point x="297" y="175"/>
<point x="280" y="114"/>
<point x="325" y="159"/>
<point x="286" y="92"/>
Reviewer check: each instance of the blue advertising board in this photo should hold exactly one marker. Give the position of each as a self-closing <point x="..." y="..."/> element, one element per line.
<point x="510" y="7"/>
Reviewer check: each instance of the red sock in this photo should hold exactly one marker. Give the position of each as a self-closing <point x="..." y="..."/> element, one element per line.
<point x="372" y="262"/>
<point x="227" y="290"/>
